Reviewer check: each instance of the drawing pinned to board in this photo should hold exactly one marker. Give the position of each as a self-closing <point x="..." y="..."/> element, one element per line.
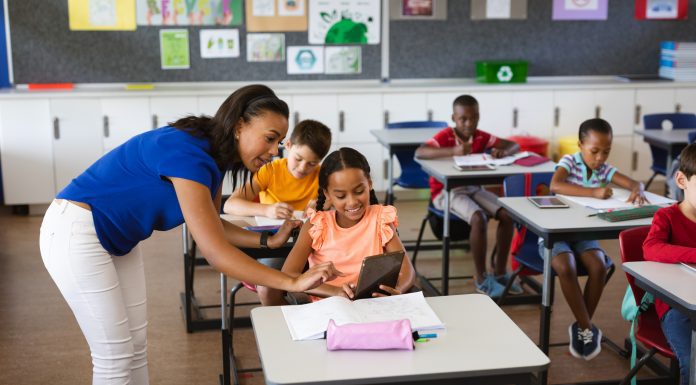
<point x="580" y="9"/>
<point x="101" y="15"/>
<point x="418" y="9"/>
<point x="189" y="12"/>
<point x="264" y="47"/>
<point x="343" y="60"/>
<point x="219" y="43"/>
<point x="661" y="9"/>
<point x="498" y="9"/>
<point x="276" y="15"/>
<point x="344" y="22"/>
<point x="305" y="60"/>
<point x="174" y="49"/>
<point x="291" y="8"/>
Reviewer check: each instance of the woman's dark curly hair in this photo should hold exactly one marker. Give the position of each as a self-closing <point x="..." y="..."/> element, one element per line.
<point x="338" y="160"/>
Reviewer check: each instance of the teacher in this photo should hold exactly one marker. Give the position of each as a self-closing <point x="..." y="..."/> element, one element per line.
<point x="156" y="181"/>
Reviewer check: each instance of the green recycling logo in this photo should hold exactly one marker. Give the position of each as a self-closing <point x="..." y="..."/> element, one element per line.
<point x="504" y="74"/>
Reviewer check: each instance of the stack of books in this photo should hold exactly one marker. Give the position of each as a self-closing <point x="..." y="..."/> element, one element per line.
<point x="678" y="60"/>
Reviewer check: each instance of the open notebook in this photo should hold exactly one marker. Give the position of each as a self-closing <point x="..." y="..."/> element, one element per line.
<point x="309" y="322"/>
<point x="266" y="221"/>
<point x="617" y="201"/>
<point x="484" y="159"/>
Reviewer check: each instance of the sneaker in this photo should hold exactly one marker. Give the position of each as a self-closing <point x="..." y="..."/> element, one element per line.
<point x="490" y="287"/>
<point x="514" y="288"/>
<point x="592" y="339"/>
<point x="576" y="345"/>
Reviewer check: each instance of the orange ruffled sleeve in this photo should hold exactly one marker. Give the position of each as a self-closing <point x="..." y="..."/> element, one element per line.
<point x="316" y="232"/>
<point x="387" y="217"/>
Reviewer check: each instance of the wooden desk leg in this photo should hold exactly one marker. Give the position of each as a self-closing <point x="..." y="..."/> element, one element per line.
<point x="545" y="323"/>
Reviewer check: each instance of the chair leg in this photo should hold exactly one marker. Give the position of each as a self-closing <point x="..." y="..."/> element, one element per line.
<point x="418" y="241"/>
<point x="508" y="284"/>
<point x="626" y="380"/>
<point x="650" y="180"/>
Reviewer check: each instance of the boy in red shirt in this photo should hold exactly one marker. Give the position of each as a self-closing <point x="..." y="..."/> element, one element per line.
<point x="671" y="240"/>
<point x="472" y="203"/>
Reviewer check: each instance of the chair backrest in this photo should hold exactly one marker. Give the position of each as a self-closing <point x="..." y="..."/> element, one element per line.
<point x="412" y="176"/>
<point x="631" y="248"/>
<point x="678" y="121"/>
<point x="692" y="137"/>
<point x="516" y="186"/>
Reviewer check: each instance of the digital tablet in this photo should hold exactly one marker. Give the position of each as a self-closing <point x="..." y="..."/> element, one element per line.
<point x="382" y="269"/>
<point x="548" y="202"/>
<point x="479" y="167"/>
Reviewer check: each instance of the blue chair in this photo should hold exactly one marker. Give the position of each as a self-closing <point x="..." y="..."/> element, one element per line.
<point x="412" y="176"/>
<point x="692" y="137"/>
<point x="679" y="121"/>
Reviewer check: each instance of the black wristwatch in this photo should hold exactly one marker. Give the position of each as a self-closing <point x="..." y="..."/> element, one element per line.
<point x="264" y="240"/>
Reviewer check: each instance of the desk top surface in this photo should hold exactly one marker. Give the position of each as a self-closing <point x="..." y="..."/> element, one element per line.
<point x="673" y="280"/>
<point x="573" y="219"/>
<point x="404" y="136"/>
<point x="443" y="168"/>
<point x="678" y="136"/>
<point x="480" y="339"/>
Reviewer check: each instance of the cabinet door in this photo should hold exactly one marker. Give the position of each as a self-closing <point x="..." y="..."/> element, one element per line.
<point x="495" y="110"/>
<point x="77" y="137"/>
<point x="616" y="107"/>
<point x="439" y="106"/>
<point x="358" y="114"/>
<point x="374" y="155"/>
<point x="165" y="110"/>
<point x="124" y="118"/>
<point x="571" y="108"/>
<point x="685" y="99"/>
<point x="652" y="101"/>
<point x="621" y="147"/>
<point x="208" y="105"/>
<point x="26" y="145"/>
<point x="323" y="108"/>
<point x="532" y="113"/>
<point x="404" y="107"/>
<point x="641" y="160"/>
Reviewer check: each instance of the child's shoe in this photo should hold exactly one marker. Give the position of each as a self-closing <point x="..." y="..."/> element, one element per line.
<point x="576" y="345"/>
<point x="592" y="339"/>
<point x="514" y="288"/>
<point x="490" y="287"/>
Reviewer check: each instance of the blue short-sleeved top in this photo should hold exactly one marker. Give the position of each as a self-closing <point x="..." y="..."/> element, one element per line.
<point x="577" y="171"/>
<point x="127" y="189"/>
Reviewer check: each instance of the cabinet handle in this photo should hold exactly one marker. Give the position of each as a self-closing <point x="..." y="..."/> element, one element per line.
<point x="56" y="128"/>
<point x="556" y="116"/>
<point x="154" y="121"/>
<point x="677" y="108"/>
<point x="515" y="112"/>
<point x="430" y="115"/>
<point x="597" y="112"/>
<point x="637" y="115"/>
<point x="341" y="121"/>
<point x="296" y="116"/>
<point x="386" y="119"/>
<point x="634" y="161"/>
<point x="106" y="126"/>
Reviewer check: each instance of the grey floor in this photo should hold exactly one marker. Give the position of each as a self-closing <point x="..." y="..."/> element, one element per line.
<point x="40" y="342"/>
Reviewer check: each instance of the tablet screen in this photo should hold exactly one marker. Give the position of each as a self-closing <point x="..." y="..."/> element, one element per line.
<point x="382" y="269"/>
<point x="548" y="202"/>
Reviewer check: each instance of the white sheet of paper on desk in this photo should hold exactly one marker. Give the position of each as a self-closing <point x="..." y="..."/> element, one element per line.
<point x="266" y="221"/>
<point x="483" y="159"/>
<point x="309" y="322"/>
<point x="617" y="201"/>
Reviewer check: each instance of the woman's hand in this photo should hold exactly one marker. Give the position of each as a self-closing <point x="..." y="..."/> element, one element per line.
<point x="315" y="276"/>
<point x="281" y="236"/>
<point x="602" y="192"/>
<point x="389" y="290"/>
<point x="280" y="210"/>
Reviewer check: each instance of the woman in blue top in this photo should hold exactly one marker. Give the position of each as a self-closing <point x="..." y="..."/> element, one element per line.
<point x="156" y="181"/>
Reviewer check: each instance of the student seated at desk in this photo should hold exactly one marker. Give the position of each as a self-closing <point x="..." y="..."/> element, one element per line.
<point x="671" y="240"/>
<point x="586" y="173"/>
<point x="357" y="227"/>
<point x="472" y="203"/>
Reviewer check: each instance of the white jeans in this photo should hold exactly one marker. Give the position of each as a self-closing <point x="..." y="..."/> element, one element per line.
<point x="106" y="294"/>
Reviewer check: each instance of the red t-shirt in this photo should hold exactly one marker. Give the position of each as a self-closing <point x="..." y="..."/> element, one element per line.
<point x="671" y="240"/>
<point x="481" y="142"/>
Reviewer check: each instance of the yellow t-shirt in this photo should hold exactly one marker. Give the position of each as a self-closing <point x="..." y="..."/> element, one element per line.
<point x="276" y="184"/>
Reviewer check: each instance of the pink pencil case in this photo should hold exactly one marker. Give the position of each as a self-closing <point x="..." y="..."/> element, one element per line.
<point x="531" y="160"/>
<point x="370" y="336"/>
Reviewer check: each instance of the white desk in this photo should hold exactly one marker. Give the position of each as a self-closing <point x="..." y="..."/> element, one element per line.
<point x="674" y="285"/>
<point x="481" y="345"/>
<point x="443" y="170"/>
<point x="396" y="139"/>
<point x="553" y="225"/>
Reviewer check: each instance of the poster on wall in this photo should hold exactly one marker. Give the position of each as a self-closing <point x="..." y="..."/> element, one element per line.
<point x="498" y="9"/>
<point x="189" y="12"/>
<point x="219" y="43"/>
<point x="101" y="15"/>
<point x="343" y="60"/>
<point x="344" y="21"/>
<point x="661" y="9"/>
<point x="276" y="15"/>
<point x="418" y="9"/>
<point x="305" y="60"/>
<point x="580" y="9"/>
<point x="174" y="49"/>
<point x="265" y="47"/>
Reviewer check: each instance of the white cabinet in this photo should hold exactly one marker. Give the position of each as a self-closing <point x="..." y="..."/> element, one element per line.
<point x="495" y="111"/>
<point x="77" y="137"/>
<point x="439" y="106"/>
<point x="358" y="114"/>
<point x="570" y="109"/>
<point x="685" y="99"/>
<point x="617" y="108"/>
<point x="532" y="113"/>
<point x="323" y="108"/>
<point x="404" y="107"/>
<point x="653" y="101"/>
<point x="208" y="105"/>
<point x="165" y="110"/>
<point x="26" y="149"/>
<point x="374" y="155"/>
<point x="641" y="159"/>
<point x="620" y="154"/>
<point x="124" y="118"/>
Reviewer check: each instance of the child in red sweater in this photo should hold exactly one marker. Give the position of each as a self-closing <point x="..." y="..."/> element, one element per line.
<point x="671" y="240"/>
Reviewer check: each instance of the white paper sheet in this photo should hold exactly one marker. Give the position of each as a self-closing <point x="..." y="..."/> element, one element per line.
<point x="266" y="221"/>
<point x="483" y="159"/>
<point x="617" y="201"/>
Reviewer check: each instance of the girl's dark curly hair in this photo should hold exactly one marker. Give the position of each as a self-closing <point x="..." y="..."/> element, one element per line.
<point x="338" y="160"/>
